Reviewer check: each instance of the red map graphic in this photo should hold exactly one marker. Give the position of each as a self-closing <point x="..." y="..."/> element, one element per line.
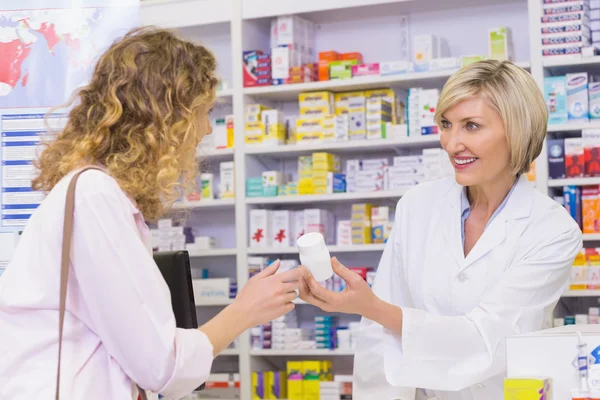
<point x="50" y="35"/>
<point x="12" y="55"/>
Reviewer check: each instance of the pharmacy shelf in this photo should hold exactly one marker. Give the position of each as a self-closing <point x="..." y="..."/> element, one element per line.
<point x="591" y="237"/>
<point x="410" y="79"/>
<point x="302" y="352"/>
<point x="357" y="146"/>
<point x="184" y="13"/>
<point x="230" y="352"/>
<point x="270" y="8"/>
<point x="581" y="293"/>
<point x="573" y="182"/>
<point x="202" y="302"/>
<point x="570" y="61"/>
<point x="213" y="154"/>
<point x="225" y="93"/>
<point x="332" y="249"/>
<point x="326" y="198"/>
<point x="573" y="126"/>
<point x="216" y="203"/>
<point x="213" y="253"/>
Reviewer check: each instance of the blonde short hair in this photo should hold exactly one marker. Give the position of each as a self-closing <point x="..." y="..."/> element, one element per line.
<point x="514" y="94"/>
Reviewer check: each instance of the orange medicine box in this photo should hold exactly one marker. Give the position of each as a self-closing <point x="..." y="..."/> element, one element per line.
<point x="325" y="57"/>
<point x="590" y="206"/>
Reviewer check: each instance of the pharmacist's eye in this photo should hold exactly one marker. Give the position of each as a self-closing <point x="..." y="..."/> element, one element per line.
<point x="445" y="124"/>
<point x="471" y="126"/>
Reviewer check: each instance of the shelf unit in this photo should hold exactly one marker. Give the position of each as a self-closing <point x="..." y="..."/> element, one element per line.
<point x="246" y="23"/>
<point x="213" y="253"/>
<point x="216" y="203"/>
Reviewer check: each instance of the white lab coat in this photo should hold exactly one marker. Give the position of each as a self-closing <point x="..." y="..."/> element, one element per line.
<point x="458" y="311"/>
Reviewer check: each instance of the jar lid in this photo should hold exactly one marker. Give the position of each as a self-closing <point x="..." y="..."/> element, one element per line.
<point x="310" y="243"/>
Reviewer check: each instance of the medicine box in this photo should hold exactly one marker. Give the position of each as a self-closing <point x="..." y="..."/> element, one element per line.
<point x="555" y="94"/>
<point x="227" y="179"/>
<point x="207" y="290"/>
<point x="527" y="389"/>
<point x="322" y="221"/>
<point x="499" y="43"/>
<point x="315" y="99"/>
<point x="281" y="228"/>
<point x="295" y="377"/>
<point x="590" y="208"/>
<point x="207" y="185"/>
<point x="395" y="67"/>
<point x="556" y="158"/>
<point x="574" y="157"/>
<point x="572" y="196"/>
<point x="591" y="148"/>
<point x="577" y="96"/>
<point x="260" y="228"/>
<point x="425" y="49"/>
<point x="594" y="100"/>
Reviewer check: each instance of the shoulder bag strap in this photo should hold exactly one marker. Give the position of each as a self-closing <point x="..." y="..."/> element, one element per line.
<point x="64" y="269"/>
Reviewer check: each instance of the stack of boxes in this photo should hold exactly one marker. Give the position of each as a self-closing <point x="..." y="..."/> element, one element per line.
<point x="264" y="126"/>
<point x="436" y="164"/>
<point x="421" y="111"/>
<point x="585" y="273"/>
<point x="317" y="121"/>
<point x="406" y="172"/>
<point x="271" y="385"/>
<point x="565" y="28"/>
<point x="381" y="226"/>
<point x="379" y="113"/>
<point x="281" y="228"/>
<point x="361" y="224"/>
<point x="305" y="175"/>
<point x="326" y="168"/>
<point x="305" y="377"/>
<point x="354" y="105"/>
<point x="292" y="47"/>
<point x="574" y="97"/>
<point x="325" y="332"/>
<point x="575" y="157"/>
<point x="168" y="237"/>
<point x="343" y="66"/>
<point x="366" y="175"/>
<point x="257" y="68"/>
<point x="595" y="22"/>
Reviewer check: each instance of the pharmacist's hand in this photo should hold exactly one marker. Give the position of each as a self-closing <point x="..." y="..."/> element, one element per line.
<point x="356" y="297"/>
<point x="267" y="296"/>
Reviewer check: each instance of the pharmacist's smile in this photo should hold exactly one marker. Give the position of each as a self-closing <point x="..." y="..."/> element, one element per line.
<point x="461" y="163"/>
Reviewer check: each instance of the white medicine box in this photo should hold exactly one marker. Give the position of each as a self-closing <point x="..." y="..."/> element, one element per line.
<point x="260" y="228"/>
<point x="281" y="232"/>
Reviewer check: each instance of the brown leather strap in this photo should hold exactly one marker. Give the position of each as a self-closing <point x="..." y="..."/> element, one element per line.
<point x="64" y="269"/>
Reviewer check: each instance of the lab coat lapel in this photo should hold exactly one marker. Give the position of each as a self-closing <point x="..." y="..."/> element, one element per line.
<point x="450" y="221"/>
<point x="518" y="206"/>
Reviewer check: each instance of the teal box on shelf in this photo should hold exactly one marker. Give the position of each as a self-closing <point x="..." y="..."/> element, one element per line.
<point x="270" y="191"/>
<point x="254" y="187"/>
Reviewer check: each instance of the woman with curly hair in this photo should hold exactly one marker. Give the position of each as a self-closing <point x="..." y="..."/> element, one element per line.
<point x="139" y="121"/>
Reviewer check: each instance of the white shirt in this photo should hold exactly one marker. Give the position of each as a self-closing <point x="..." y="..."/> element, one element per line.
<point x="119" y="324"/>
<point x="457" y="310"/>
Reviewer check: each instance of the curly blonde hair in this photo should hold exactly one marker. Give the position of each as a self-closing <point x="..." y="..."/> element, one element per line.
<point x="137" y="117"/>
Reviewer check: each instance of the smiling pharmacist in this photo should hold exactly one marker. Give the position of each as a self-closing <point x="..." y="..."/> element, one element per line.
<point x="471" y="259"/>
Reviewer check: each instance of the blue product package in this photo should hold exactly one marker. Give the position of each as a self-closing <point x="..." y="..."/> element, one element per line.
<point x="572" y="195"/>
<point x="556" y="158"/>
<point x="339" y="183"/>
<point x="429" y="130"/>
<point x="555" y="94"/>
<point x="577" y="96"/>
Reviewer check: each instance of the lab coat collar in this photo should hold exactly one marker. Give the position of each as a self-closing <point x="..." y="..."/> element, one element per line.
<point x="518" y="206"/>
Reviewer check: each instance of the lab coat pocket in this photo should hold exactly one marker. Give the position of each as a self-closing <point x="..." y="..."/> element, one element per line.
<point x="369" y="381"/>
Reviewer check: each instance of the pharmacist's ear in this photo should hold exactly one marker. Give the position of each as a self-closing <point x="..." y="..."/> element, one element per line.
<point x="342" y="271"/>
<point x="270" y="270"/>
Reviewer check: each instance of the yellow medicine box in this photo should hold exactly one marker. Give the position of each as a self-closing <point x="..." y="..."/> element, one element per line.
<point x="527" y="389"/>
<point x="295" y="373"/>
<point x="312" y="99"/>
<point x="254" y="133"/>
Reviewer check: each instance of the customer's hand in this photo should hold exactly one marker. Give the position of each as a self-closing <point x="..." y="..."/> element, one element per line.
<point x="267" y="296"/>
<point x="356" y="297"/>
